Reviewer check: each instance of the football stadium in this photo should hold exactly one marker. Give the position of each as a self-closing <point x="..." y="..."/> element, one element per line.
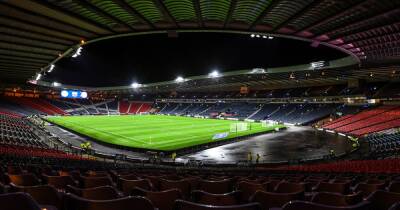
<point x="165" y="133"/>
<point x="200" y="105"/>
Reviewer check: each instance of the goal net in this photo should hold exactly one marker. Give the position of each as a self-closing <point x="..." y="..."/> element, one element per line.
<point x="238" y="127"/>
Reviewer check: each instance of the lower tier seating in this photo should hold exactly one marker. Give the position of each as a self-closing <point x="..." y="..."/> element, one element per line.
<point x="93" y="185"/>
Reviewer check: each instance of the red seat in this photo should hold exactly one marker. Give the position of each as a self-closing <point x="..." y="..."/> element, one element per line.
<point x="232" y="198"/>
<point x="305" y="205"/>
<point x="45" y="195"/>
<point x="215" y="187"/>
<point x="336" y="199"/>
<point x="248" y="189"/>
<point x="183" y="186"/>
<point x="186" y="205"/>
<point x="163" y="200"/>
<point x="18" y="201"/>
<point x="24" y="180"/>
<point x="128" y="185"/>
<point x="275" y="200"/>
<point x="73" y="202"/>
<point x="95" y="193"/>
<point x="383" y="199"/>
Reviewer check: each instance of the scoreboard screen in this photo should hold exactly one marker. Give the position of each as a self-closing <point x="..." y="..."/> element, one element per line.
<point x="73" y="94"/>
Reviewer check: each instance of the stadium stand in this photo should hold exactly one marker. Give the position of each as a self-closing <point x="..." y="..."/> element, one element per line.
<point x="350" y="97"/>
<point x="367" y="121"/>
<point x="343" y="185"/>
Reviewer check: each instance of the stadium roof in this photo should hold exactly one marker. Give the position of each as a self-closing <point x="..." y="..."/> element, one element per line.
<point x="34" y="34"/>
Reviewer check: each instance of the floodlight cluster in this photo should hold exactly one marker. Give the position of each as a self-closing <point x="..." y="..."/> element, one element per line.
<point x="136" y="85"/>
<point x="214" y="74"/>
<point x="261" y="36"/>
<point x="77" y="52"/>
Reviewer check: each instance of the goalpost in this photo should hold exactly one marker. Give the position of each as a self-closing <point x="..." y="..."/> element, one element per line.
<point x="239" y="127"/>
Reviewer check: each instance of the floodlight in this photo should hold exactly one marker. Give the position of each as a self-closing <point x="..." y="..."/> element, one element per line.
<point x="258" y="71"/>
<point x="136" y="85"/>
<point x="77" y="52"/>
<point x="252" y="35"/>
<point x="56" y="84"/>
<point x="179" y="79"/>
<point x="264" y="37"/>
<point x="214" y="74"/>
<point x="52" y="66"/>
<point x="258" y="36"/>
<point x="270" y="37"/>
<point x="38" y="76"/>
<point x="318" y="64"/>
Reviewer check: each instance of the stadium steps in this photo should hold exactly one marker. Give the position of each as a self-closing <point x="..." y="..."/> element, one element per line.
<point x="172" y="111"/>
<point x="123" y="107"/>
<point x="138" y="109"/>
<point x="204" y="110"/>
<point x="161" y="110"/>
<point x="254" y="113"/>
<point x="129" y="107"/>
<point x="145" y="107"/>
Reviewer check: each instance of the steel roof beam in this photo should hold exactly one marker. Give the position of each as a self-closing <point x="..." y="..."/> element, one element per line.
<point x="332" y="17"/>
<point x="131" y="10"/>
<point x="230" y="12"/>
<point x="297" y="15"/>
<point x="196" y="4"/>
<point x="48" y="10"/>
<point x="264" y="13"/>
<point x="160" y="5"/>
<point x="355" y="24"/>
<point x="97" y="10"/>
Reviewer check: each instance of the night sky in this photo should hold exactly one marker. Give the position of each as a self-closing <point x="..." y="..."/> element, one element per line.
<point x="156" y="58"/>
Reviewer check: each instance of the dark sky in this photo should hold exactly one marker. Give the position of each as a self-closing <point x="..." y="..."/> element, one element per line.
<point x="156" y="58"/>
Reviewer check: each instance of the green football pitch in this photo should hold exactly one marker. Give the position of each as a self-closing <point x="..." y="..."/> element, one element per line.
<point x="156" y="132"/>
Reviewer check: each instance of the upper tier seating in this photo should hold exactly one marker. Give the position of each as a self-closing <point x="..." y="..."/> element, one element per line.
<point x="38" y="104"/>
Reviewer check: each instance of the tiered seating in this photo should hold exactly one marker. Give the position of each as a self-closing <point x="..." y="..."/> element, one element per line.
<point x="379" y="127"/>
<point x="383" y="145"/>
<point x="8" y="113"/>
<point x="31" y="152"/>
<point x="17" y="139"/>
<point x="91" y="187"/>
<point x="369" y="121"/>
<point x="390" y="115"/>
<point x="359" y="116"/>
<point x="123" y="107"/>
<point x="265" y="111"/>
<point x="355" y="166"/>
<point x="15" y="131"/>
<point x="144" y="107"/>
<point x="133" y="107"/>
<point x="38" y="104"/>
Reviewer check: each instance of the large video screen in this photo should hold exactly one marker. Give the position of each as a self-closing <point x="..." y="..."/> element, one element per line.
<point x="73" y="94"/>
